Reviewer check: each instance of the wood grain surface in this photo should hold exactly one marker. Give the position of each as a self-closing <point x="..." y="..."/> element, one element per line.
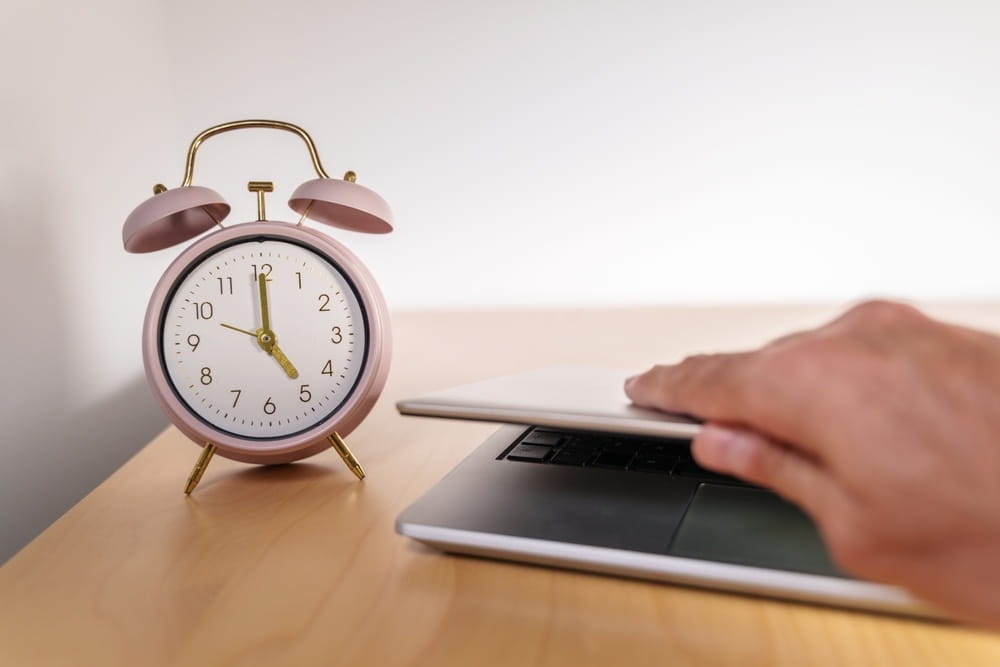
<point x="300" y="565"/>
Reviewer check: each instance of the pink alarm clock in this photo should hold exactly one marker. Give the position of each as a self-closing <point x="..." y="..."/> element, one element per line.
<point x="265" y="341"/>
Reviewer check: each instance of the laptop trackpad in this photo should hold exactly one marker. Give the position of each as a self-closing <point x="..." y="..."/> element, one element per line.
<point x="753" y="527"/>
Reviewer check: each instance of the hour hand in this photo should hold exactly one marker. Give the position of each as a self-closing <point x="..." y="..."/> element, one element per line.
<point x="230" y="326"/>
<point x="283" y="361"/>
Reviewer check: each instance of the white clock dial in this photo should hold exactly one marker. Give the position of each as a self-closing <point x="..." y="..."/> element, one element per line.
<point x="248" y="384"/>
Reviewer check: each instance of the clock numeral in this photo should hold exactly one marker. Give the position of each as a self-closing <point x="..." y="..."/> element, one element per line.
<point x="324" y="303"/>
<point x="299" y="274"/>
<point x="304" y="394"/>
<point x="206" y="375"/>
<point x="203" y="310"/>
<point x="328" y="368"/>
<point x="194" y="340"/>
<point x="269" y="407"/>
<point x="238" y="392"/>
<point x="337" y="336"/>
<point x="222" y="284"/>
<point x="264" y="268"/>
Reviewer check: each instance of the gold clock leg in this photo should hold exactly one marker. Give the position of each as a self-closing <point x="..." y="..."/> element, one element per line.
<point x="199" y="468"/>
<point x="345" y="453"/>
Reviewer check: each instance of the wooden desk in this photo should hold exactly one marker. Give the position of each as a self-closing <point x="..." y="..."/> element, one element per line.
<point x="299" y="565"/>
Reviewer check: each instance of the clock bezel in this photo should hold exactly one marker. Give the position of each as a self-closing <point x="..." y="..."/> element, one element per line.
<point x="343" y="419"/>
<point x="199" y="262"/>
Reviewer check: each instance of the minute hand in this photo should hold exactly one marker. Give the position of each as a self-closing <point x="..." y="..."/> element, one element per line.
<point x="265" y="313"/>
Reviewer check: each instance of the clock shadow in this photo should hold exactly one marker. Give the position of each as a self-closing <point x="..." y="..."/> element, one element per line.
<point x="255" y="488"/>
<point x="279" y="473"/>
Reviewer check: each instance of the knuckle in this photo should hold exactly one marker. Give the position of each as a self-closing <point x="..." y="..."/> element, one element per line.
<point x="691" y="377"/>
<point x="765" y="378"/>
<point x="692" y="363"/>
<point x="656" y="386"/>
<point x="781" y="356"/>
<point x="881" y="312"/>
<point x="653" y="376"/>
<point x="660" y="375"/>
<point x="829" y="358"/>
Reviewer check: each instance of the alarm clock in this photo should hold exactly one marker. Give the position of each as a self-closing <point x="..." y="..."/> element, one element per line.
<point x="265" y="342"/>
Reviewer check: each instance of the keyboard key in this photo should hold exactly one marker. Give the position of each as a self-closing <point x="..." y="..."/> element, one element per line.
<point x="660" y="464"/>
<point x="660" y="455"/>
<point x="672" y="448"/>
<point x="613" y="459"/>
<point x="569" y="456"/>
<point x="578" y="442"/>
<point x="544" y="438"/>
<point x="532" y="453"/>
<point x="622" y="446"/>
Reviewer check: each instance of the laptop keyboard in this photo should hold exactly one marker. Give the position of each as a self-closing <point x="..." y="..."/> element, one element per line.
<point x="600" y="450"/>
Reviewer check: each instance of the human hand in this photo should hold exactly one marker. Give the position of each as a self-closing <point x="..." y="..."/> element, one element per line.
<point x="883" y="425"/>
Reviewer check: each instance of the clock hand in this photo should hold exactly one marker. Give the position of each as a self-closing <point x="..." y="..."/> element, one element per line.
<point x="265" y="313"/>
<point x="230" y="326"/>
<point x="283" y="361"/>
<point x="265" y="337"/>
<point x="270" y="345"/>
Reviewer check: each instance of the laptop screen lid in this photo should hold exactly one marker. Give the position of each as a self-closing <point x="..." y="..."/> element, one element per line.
<point x="582" y="398"/>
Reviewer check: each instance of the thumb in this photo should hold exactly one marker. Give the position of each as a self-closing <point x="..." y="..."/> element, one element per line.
<point x="758" y="459"/>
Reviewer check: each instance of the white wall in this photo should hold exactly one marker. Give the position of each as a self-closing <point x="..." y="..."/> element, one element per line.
<point x="535" y="153"/>
<point x="85" y="116"/>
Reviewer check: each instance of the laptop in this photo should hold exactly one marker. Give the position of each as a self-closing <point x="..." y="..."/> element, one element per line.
<point x="577" y="477"/>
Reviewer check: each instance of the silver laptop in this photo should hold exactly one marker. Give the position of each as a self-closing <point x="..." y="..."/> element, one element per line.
<point x="580" y="478"/>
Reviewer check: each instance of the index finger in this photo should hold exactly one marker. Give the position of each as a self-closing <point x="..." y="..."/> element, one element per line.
<point x="712" y="387"/>
<point x="737" y="388"/>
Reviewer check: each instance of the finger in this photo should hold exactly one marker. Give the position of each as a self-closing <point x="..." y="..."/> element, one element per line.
<point x="709" y="386"/>
<point x="779" y="397"/>
<point x="753" y="457"/>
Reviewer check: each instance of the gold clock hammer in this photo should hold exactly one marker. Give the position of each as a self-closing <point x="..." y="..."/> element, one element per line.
<point x="260" y="187"/>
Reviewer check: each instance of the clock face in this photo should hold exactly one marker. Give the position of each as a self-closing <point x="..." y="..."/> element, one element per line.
<point x="263" y="358"/>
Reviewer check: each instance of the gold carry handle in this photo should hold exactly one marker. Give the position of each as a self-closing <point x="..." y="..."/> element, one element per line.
<point x="244" y="124"/>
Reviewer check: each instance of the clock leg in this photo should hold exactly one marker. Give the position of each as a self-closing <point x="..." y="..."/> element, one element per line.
<point x="338" y="443"/>
<point x="199" y="468"/>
